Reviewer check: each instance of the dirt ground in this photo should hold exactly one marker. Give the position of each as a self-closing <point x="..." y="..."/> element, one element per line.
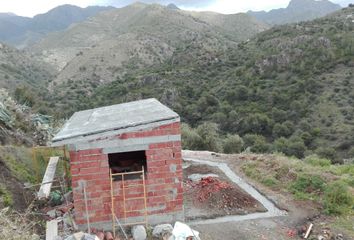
<point x="299" y="213"/>
<point x="205" y="199"/>
<point x="20" y="196"/>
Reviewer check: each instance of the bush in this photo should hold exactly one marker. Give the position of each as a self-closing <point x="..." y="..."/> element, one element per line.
<point x="258" y="124"/>
<point x="233" y="144"/>
<point x="256" y="143"/>
<point x="329" y="153"/>
<point x="292" y="147"/>
<point x="315" y="160"/>
<point x="337" y="198"/>
<point x="210" y="136"/>
<point x="190" y="138"/>
<point x="283" y="130"/>
<point x="307" y="186"/>
<point x="5" y="197"/>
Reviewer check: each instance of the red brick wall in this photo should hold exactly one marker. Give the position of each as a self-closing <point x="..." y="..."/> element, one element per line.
<point x="163" y="179"/>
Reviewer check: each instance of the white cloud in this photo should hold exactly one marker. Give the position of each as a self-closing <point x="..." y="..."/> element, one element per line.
<point x="30" y="8"/>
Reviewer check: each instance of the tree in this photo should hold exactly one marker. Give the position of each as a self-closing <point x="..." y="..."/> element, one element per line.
<point x="256" y="143"/>
<point x="190" y="138"/>
<point x="233" y="144"/>
<point x="294" y="146"/>
<point x="209" y="133"/>
<point x="257" y="123"/>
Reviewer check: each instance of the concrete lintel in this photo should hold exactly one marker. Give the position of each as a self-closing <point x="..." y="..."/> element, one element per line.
<point x="145" y="127"/>
<point x="131" y="148"/>
<point x="126" y="143"/>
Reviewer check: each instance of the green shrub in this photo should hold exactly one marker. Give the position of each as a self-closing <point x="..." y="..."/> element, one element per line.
<point x="256" y="143"/>
<point x="337" y="198"/>
<point x="293" y="146"/>
<point x="315" y="160"/>
<point x="190" y="138"/>
<point x="250" y="169"/>
<point x="270" y="182"/>
<point x="307" y="186"/>
<point x="233" y="144"/>
<point x="5" y="196"/>
<point x="283" y="130"/>
<point x="257" y="123"/>
<point x="329" y="153"/>
<point x="209" y="133"/>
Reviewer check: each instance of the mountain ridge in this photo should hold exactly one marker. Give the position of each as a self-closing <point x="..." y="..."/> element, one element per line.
<point x="21" y="31"/>
<point x="140" y="35"/>
<point x="296" y="11"/>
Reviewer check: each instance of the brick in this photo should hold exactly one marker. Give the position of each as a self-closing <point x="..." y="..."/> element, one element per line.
<point x="95" y="157"/>
<point x="90" y="151"/>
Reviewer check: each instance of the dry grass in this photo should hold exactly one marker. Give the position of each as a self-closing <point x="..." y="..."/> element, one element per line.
<point x="16" y="226"/>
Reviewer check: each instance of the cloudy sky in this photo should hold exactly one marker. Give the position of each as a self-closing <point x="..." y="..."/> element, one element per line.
<point x="33" y="7"/>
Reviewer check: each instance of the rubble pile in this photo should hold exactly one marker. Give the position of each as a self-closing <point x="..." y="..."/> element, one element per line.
<point x="220" y="194"/>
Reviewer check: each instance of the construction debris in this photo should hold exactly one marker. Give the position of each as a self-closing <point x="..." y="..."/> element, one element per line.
<point x="196" y="177"/>
<point x="308" y="231"/>
<point x="182" y="231"/>
<point x="51" y="230"/>
<point x="47" y="181"/>
<point x="139" y="232"/>
<point x="162" y="231"/>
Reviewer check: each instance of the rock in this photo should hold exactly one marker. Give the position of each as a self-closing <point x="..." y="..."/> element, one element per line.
<point x="52" y="213"/>
<point x="197" y="177"/>
<point x="162" y="231"/>
<point x="139" y="232"/>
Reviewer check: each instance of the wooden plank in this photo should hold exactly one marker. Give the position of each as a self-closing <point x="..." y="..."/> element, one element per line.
<point x="44" y="190"/>
<point x="51" y="231"/>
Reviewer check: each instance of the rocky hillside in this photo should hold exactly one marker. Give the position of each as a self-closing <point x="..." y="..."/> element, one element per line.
<point x="297" y="10"/>
<point x="292" y="86"/>
<point x="19" y="68"/>
<point x="107" y="46"/>
<point x="23" y="31"/>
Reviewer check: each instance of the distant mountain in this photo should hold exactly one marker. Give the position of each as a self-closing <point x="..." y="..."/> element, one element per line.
<point x="172" y="6"/>
<point x="345" y="3"/>
<point x="23" y="31"/>
<point x="112" y="43"/>
<point x="297" y="10"/>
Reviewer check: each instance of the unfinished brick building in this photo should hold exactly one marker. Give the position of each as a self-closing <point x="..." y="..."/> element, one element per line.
<point x="130" y="137"/>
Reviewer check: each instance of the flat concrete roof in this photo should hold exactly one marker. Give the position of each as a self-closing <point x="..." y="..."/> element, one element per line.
<point x="115" y="117"/>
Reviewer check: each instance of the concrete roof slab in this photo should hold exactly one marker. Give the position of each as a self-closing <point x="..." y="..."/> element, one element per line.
<point x="120" y="116"/>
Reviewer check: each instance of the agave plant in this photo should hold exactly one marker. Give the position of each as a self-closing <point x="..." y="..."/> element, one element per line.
<point x="5" y="116"/>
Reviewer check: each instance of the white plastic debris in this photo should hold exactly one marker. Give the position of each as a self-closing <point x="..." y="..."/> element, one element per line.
<point x="182" y="231"/>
